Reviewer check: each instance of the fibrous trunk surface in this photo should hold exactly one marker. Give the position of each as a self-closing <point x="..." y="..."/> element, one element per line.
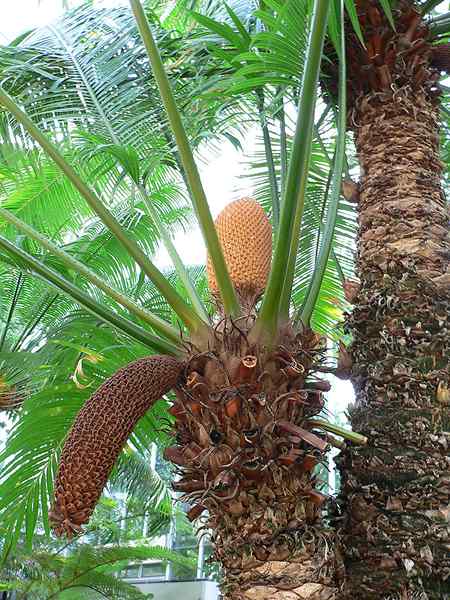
<point x="396" y="490"/>
<point x="246" y="453"/>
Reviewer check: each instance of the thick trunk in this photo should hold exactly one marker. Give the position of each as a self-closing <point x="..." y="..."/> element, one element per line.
<point x="276" y="550"/>
<point x="396" y="490"/>
<point x="246" y="454"/>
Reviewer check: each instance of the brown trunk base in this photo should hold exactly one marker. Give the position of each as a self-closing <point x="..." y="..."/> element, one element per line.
<point x="247" y="454"/>
<point x="298" y="577"/>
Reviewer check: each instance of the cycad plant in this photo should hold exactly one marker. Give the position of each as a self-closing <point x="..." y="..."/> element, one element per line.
<point x="247" y="435"/>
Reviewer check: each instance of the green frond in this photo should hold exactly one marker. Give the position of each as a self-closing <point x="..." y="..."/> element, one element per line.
<point x="135" y="477"/>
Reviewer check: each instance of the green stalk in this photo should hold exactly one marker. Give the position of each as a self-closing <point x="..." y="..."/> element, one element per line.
<point x="327" y="240"/>
<point x="178" y="264"/>
<point x="181" y="308"/>
<point x="293" y="202"/>
<point x="438" y="19"/>
<point x="283" y="145"/>
<point x="94" y="307"/>
<point x="174" y="256"/>
<point x="270" y="162"/>
<point x="290" y="271"/>
<point x="285" y="297"/>
<point x="72" y="263"/>
<point x="356" y="438"/>
<point x="228" y="294"/>
<point x="441" y="27"/>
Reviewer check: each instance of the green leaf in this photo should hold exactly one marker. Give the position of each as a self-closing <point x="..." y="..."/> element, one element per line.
<point x="222" y="30"/>
<point x="351" y="10"/>
<point x="32" y="511"/>
<point x="332" y="212"/>
<point x="278" y="292"/>
<point x="334" y="24"/>
<point x="386" y="5"/>
<point x="90" y="304"/>
<point x="227" y="291"/>
<point x="239" y="25"/>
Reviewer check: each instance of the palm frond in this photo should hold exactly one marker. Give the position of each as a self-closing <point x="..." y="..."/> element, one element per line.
<point x="135" y="477"/>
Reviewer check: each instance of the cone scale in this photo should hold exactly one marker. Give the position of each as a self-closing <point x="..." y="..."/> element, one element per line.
<point x="245" y="235"/>
<point x="99" y="433"/>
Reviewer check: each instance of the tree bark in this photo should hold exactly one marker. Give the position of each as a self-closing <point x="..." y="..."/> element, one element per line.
<point x="396" y="490"/>
<point x="246" y="453"/>
<point x="277" y="549"/>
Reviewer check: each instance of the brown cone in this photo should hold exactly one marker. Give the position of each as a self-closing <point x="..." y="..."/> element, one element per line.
<point x="245" y="235"/>
<point x="99" y="434"/>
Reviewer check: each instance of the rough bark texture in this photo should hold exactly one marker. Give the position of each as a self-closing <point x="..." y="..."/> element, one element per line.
<point x="396" y="490"/>
<point x="246" y="453"/>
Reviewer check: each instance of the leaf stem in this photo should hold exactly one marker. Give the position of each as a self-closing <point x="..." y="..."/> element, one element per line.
<point x="154" y="321"/>
<point x="181" y="308"/>
<point x="269" y="160"/>
<point x="283" y="145"/>
<point x="174" y="256"/>
<point x="18" y="287"/>
<point x="293" y="202"/>
<point x="338" y="164"/>
<point x="227" y="291"/>
<point x="178" y="264"/>
<point x="94" y="307"/>
<point x="441" y="26"/>
<point x="356" y="438"/>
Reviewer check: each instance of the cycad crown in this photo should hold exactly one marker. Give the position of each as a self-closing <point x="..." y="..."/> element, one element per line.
<point x="244" y="449"/>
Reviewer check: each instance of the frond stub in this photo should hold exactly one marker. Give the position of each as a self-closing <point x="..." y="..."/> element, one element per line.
<point x="245" y="235"/>
<point x="99" y="433"/>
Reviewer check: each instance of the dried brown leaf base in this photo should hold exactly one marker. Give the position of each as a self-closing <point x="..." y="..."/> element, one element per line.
<point x="245" y="453"/>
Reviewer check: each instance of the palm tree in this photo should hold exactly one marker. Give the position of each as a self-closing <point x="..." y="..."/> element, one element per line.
<point x="245" y="374"/>
<point x="205" y="350"/>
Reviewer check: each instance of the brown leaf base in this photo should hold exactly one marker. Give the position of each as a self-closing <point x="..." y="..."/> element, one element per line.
<point x="246" y="454"/>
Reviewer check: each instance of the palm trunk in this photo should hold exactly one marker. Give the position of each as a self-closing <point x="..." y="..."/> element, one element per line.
<point x="246" y="454"/>
<point x="275" y="550"/>
<point x="396" y="490"/>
